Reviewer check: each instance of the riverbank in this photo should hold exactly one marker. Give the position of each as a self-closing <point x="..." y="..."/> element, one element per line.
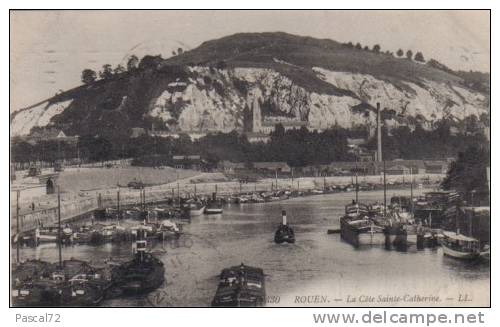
<point x="44" y="208"/>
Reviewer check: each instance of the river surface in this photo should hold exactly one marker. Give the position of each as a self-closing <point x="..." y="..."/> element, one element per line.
<point x="318" y="270"/>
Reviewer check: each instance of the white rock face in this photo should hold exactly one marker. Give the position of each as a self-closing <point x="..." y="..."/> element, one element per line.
<point x="209" y="100"/>
<point x="433" y="101"/>
<point x="39" y="116"/>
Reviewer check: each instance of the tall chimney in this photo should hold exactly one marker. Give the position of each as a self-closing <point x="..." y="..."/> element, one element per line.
<point x="283" y="213"/>
<point x="379" y="135"/>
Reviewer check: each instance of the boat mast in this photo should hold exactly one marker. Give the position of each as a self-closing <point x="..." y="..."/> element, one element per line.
<point x="59" y="225"/>
<point x="179" y="194"/>
<point x="118" y="204"/>
<point x="385" y="192"/>
<point x="411" y="192"/>
<point x="473" y="215"/>
<point x="17" y="226"/>
<point x="379" y="153"/>
<point x="357" y="185"/>
<point x="178" y="190"/>
<point x="276" y="179"/>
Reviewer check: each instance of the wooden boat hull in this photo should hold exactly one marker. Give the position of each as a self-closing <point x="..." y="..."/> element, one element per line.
<point x="361" y="236"/>
<point x="371" y="238"/>
<point x="196" y="212"/>
<point x="459" y="254"/>
<point x="240" y="286"/>
<point x="143" y="284"/>
<point x="213" y="211"/>
<point x="136" y="277"/>
<point x="28" y="295"/>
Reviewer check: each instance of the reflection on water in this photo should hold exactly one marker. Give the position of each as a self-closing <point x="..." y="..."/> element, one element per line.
<point x="317" y="264"/>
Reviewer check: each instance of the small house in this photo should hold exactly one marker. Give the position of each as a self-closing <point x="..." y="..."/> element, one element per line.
<point x="272" y="167"/>
<point x="397" y="170"/>
<point x="436" y="167"/>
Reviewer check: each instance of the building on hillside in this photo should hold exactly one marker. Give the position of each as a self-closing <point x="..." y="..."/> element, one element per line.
<point x="137" y="132"/>
<point x="49" y="134"/>
<point x="193" y="135"/>
<point x="231" y="167"/>
<point x="257" y="137"/>
<point x="436" y="166"/>
<point x="344" y="168"/>
<point x="357" y="147"/>
<point x="194" y="162"/>
<point x="272" y="167"/>
<point x="258" y="128"/>
<point x="414" y="166"/>
<point x="397" y="170"/>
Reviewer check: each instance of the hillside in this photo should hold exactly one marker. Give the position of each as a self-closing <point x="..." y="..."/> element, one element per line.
<point x="208" y="88"/>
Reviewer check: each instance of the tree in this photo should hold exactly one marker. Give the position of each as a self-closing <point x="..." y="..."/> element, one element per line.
<point x="88" y="76"/>
<point x="376" y="48"/>
<point x="221" y="64"/>
<point x="150" y="62"/>
<point x="409" y="54"/>
<point x="180" y="51"/>
<point x="468" y="173"/>
<point x="366" y="48"/>
<point x="106" y="72"/>
<point x="358" y="46"/>
<point x="132" y="63"/>
<point x="349" y="44"/>
<point x="400" y="53"/>
<point x="118" y="70"/>
<point x="419" y="57"/>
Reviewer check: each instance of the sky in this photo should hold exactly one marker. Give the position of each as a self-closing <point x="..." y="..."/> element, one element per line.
<point x="49" y="49"/>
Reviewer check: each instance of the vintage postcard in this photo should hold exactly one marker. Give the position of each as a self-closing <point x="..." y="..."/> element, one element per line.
<point x="250" y="158"/>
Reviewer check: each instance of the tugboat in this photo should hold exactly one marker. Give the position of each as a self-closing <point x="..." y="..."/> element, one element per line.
<point x="240" y="286"/>
<point x="214" y="206"/>
<point x="284" y="233"/>
<point x="144" y="272"/>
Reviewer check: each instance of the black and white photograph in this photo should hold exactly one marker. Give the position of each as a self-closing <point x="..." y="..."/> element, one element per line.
<point x="249" y="158"/>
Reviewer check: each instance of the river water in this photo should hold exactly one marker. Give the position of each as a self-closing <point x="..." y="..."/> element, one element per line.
<point x="318" y="270"/>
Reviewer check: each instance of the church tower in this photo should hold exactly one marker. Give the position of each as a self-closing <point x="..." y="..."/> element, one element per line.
<point x="256" y="119"/>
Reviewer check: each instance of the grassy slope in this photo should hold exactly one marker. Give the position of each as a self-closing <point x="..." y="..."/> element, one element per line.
<point x="259" y="50"/>
<point x="74" y="180"/>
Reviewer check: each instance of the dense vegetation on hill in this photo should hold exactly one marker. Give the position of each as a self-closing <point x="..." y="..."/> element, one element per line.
<point x="297" y="147"/>
<point x="314" y="80"/>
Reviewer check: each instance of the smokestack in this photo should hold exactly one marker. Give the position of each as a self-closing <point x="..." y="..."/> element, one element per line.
<point x="379" y="135"/>
<point x="283" y="213"/>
